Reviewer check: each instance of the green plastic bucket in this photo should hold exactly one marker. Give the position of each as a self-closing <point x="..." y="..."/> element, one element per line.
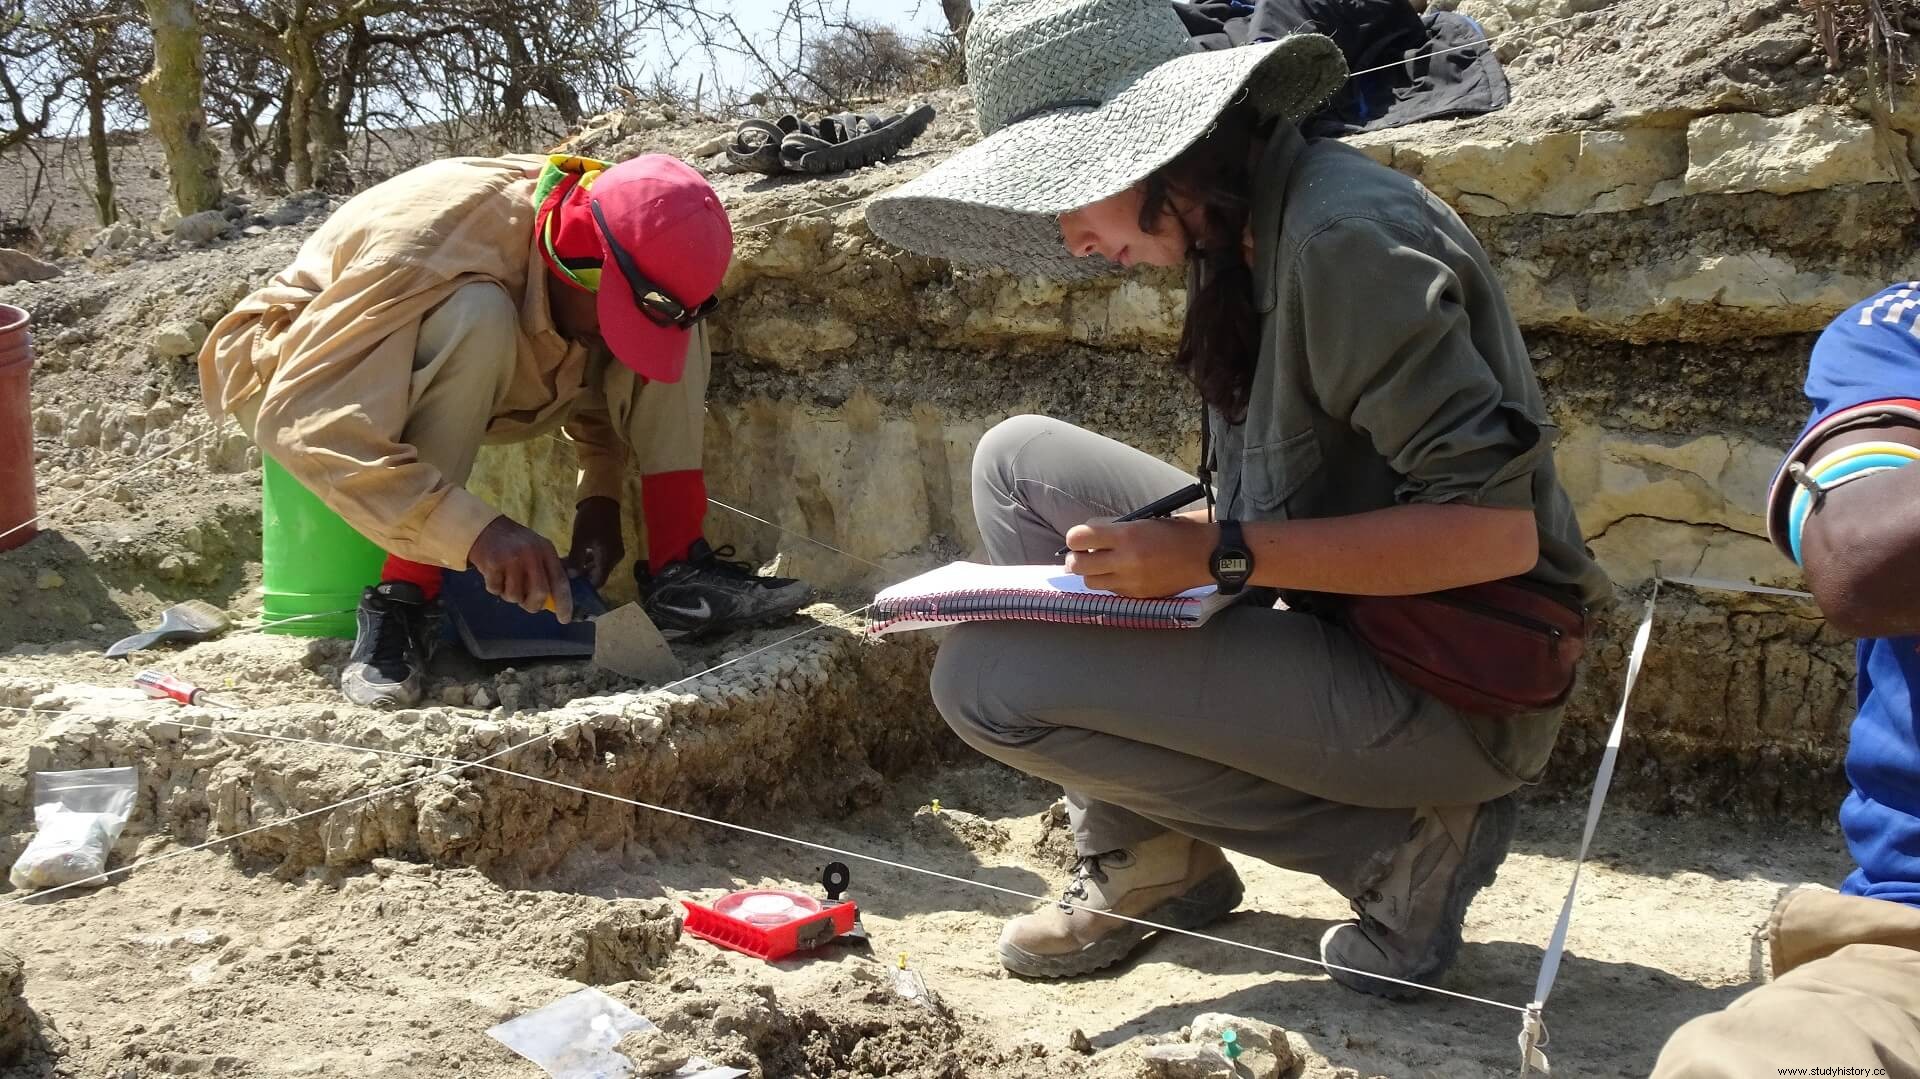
<point x="314" y="565"/>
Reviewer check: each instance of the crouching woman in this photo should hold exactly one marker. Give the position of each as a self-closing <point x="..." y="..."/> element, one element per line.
<point x="1379" y="457"/>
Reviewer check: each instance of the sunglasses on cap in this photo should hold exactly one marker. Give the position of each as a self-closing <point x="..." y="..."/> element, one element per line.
<point x="653" y="301"/>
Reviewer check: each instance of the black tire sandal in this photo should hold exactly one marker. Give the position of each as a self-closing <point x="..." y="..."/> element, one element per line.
<point x="756" y="144"/>
<point x="847" y="140"/>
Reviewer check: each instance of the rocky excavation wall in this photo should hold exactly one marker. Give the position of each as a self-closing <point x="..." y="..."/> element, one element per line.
<point x="1679" y="198"/>
<point x="814" y="725"/>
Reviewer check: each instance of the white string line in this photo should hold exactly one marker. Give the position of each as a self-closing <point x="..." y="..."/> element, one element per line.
<point x="796" y="535"/>
<point x="396" y="788"/>
<point x="104" y="484"/>
<point x="1530" y="1039"/>
<point x="1736" y="586"/>
<point x="248" y="627"/>
<point x="152" y="721"/>
<point x="267" y="625"/>
<point x="876" y="860"/>
<point x="761" y="833"/>
<point x="263" y="623"/>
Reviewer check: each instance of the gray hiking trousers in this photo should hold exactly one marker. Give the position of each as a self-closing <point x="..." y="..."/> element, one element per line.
<point x="1270" y="732"/>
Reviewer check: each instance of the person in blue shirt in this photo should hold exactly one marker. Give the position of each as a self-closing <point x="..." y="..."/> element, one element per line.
<point x="1846" y="507"/>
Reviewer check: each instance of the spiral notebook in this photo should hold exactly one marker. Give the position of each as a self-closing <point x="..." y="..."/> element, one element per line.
<point x="971" y="592"/>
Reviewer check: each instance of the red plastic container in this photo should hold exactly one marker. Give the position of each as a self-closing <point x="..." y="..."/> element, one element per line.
<point x="17" y="506"/>
<point x="803" y="925"/>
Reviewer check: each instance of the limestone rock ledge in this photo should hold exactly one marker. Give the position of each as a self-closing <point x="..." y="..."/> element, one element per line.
<point x="1679" y="197"/>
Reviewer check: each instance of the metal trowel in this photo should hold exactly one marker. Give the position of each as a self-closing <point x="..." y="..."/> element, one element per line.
<point x="195" y="620"/>
<point x="626" y="642"/>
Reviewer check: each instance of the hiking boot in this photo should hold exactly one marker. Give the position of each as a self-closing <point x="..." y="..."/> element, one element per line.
<point x="708" y="594"/>
<point x="398" y="627"/>
<point x="1171" y="879"/>
<point x="1409" y="925"/>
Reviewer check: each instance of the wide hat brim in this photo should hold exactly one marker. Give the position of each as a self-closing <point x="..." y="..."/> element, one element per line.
<point x="998" y="202"/>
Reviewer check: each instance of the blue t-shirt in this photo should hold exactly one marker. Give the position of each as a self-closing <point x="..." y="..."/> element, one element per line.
<point x="1866" y="369"/>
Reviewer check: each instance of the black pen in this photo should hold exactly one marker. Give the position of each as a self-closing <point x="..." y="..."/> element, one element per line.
<point x="1159" y="507"/>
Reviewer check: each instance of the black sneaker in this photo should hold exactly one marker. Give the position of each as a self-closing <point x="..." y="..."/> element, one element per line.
<point x="398" y="627"/>
<point x="708" y="594"/>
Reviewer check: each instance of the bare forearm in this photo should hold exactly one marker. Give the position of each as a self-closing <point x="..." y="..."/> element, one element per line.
<point x="1862" y="555"/>
<point x="1397" y="551"/>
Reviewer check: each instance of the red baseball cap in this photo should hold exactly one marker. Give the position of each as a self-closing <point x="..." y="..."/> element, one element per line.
<point x="660" y="240"/>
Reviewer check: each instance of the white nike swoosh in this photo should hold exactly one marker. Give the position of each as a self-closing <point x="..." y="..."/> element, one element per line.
<point x="705" y="610"/>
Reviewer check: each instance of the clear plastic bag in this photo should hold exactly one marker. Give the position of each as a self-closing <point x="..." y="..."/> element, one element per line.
<point x="576" y="1037"/>
<point x="78" y="817"/>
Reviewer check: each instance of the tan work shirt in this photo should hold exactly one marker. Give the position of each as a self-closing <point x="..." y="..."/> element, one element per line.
<point x="327" y="349"/>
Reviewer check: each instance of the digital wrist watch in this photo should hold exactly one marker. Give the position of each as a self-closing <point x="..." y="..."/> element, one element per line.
<point x="1232" y="561"/>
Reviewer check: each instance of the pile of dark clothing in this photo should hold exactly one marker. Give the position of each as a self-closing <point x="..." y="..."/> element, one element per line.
<point x="1409" y="66"/>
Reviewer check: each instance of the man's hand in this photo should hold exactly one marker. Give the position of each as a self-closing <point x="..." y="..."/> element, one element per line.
<point x="1143" y="559"/>
<point x="521" y="567"/>
<point x="597" y="546"/>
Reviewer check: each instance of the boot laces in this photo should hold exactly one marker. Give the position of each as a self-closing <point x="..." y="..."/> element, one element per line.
<point x="393" y="634"/>
<point x="720" y="560"/>
<point x="1086" y="867"/>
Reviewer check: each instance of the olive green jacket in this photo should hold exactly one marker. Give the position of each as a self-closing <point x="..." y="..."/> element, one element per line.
<point x="1390" y="372"/>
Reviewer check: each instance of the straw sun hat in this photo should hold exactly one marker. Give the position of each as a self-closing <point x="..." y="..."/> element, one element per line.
<point x="1079" y="100"/>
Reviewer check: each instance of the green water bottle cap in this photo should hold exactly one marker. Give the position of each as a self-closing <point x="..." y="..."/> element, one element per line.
<point x="1230" y="1043"/>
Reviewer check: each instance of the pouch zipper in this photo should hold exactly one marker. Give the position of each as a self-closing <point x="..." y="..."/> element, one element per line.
<point x="1553" y="632"/>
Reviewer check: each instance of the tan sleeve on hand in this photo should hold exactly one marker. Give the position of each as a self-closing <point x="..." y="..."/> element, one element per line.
<point x="335" y="409"/>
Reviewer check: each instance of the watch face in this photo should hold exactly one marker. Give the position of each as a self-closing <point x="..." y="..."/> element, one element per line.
<point x="1234" y="565"/>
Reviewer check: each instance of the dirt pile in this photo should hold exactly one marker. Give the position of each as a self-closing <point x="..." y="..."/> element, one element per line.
<point x="866" y="1030"/>
<point x="1221" y="1047"/>
<point x="208" y="965"/>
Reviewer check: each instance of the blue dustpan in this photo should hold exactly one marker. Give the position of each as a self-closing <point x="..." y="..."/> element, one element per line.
<point x="491" y="628"/>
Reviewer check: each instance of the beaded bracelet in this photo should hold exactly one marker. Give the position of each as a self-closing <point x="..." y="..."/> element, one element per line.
<point x="1838" y="469"/>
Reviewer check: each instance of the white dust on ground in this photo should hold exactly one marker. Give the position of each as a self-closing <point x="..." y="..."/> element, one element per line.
<point x="199" y="966"/>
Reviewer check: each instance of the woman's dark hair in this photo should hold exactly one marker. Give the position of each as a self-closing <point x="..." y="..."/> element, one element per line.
<point x="1219" y="344"/>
